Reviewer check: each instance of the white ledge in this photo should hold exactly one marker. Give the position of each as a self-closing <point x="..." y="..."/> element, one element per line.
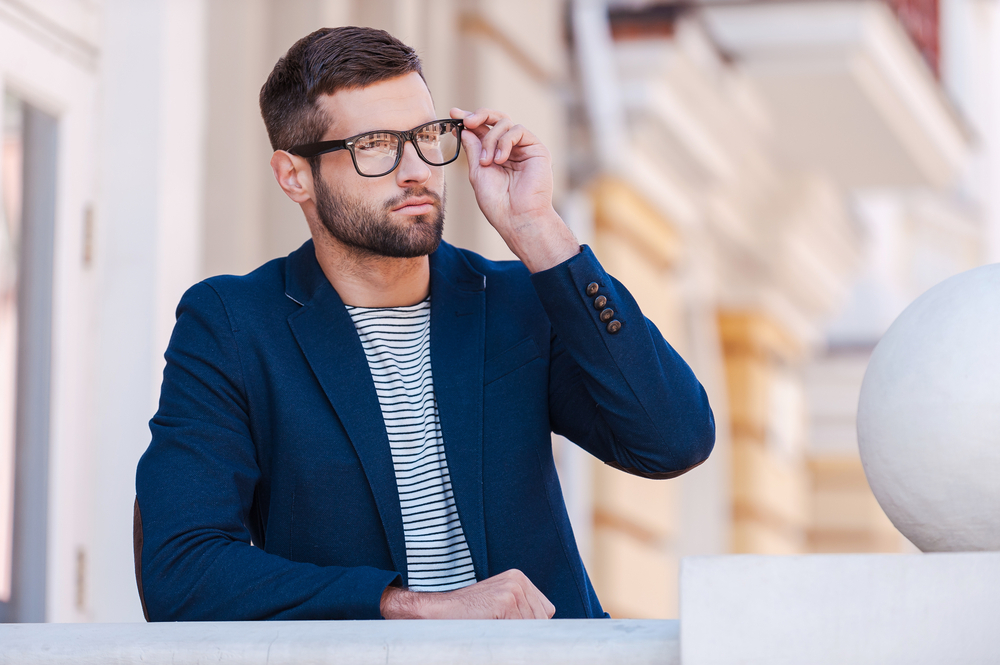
<point x="576" y="642"/>
<point x="832" y="609"/>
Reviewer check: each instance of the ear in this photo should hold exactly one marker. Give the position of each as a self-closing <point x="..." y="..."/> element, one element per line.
<point x="293" y="175"/>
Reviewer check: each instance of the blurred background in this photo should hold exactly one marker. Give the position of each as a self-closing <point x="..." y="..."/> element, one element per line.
<point x="773" y="180"/>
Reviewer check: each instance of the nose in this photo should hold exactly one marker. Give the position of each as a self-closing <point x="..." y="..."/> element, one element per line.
<point x="412" y="170"/>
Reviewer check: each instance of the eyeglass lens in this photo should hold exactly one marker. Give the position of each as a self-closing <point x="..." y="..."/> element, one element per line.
<point x="376" y="153"/>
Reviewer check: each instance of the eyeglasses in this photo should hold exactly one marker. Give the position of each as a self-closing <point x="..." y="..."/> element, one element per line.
<point x="378" y="153"/>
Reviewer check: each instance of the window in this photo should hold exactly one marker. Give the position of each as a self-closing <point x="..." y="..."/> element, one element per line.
<point x="11" y="170"/>
<point x="27" y="228"/>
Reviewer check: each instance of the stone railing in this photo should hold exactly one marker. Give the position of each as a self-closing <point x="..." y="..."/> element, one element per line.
<point x="578" y="642"/>
<point x="862" y="609"/>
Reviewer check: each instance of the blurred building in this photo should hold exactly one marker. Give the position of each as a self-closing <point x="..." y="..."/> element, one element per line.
<point x="774" y="181"/>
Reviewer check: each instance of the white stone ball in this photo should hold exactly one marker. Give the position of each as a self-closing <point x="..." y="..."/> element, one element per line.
<point x="929" y="416"/>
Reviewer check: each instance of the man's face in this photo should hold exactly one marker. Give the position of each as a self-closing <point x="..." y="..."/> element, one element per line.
<point x="397" y="215"/>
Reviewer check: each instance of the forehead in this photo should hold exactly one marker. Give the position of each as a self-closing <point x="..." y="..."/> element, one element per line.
<point x="399" y="103"/>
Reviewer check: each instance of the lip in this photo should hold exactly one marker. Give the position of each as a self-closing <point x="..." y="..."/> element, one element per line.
<point x="418" y="205"/>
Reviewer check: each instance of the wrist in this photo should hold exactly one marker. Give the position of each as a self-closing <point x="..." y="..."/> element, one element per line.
<point x="399" y="603"/>
<point x="542" y="241"/>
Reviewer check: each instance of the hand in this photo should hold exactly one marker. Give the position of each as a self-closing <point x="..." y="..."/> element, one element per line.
<point x="509" y="595"/>
<point x="511" y="175"/>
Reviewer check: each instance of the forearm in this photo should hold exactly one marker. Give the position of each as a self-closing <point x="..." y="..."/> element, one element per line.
<point x="399" y="603"/>
<point x="541" y="241"/>
<point x="238" y="582"/>
<point x="621" y="391"/>
<point x="196" y="561"/>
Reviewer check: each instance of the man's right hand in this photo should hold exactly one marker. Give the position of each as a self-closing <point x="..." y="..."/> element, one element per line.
<point x="509" y="595"/>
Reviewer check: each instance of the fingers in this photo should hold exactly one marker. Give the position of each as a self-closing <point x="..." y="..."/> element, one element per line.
<point x="517" y="135"/>
<point x="473" y="146"/>
<point x="542" y="608"/>
<point x="550" y="609"/>
<point x="479" y="121"/>
<point x="497" y="134"/>
<point x="520" y="606"/>
<point x="509" y="595"/>
<point x="530" y="602"/>
<point x="536" y="603"/>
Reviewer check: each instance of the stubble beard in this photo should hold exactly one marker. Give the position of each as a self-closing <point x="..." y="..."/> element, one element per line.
<point x="366" y="229"/>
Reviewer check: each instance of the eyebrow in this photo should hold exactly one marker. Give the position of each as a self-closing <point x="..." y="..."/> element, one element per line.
<point x="385" y="129"/>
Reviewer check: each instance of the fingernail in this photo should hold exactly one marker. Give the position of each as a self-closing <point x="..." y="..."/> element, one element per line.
<point x="484" y="155"/>
<point x="498" y="154"/>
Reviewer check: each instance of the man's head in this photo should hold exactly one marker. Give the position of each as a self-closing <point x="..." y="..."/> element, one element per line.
<point x="323" y="63"/>
<point x="332" y="85"/>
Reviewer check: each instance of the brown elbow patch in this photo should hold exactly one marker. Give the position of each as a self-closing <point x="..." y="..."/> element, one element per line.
<point x="137" y="552"/>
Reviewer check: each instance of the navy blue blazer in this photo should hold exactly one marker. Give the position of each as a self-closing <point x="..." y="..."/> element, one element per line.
<point x="268" y="490"/>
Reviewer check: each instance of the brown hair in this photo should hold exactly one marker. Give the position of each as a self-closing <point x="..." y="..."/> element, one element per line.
<point x="322" y="63"/>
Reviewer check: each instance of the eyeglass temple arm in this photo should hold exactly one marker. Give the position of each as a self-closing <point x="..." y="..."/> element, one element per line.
<point x="313" y="149"/>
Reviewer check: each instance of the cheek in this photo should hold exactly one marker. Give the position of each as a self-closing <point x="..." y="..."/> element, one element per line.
<point x="339" y="164"/>
<point x="350" y="187"/>
<point x="437" y="181"/>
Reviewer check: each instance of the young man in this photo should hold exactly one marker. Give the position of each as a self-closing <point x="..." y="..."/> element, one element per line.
<point x="362" y="429"/>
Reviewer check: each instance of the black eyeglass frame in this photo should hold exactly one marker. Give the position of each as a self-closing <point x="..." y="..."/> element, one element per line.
<point x="308" y="150"/>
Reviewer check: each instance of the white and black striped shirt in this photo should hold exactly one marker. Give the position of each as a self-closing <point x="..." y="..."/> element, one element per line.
<point x="397" y="343"/>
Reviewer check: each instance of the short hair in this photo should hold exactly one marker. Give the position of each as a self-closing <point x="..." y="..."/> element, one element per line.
<point x="322" y="63"/>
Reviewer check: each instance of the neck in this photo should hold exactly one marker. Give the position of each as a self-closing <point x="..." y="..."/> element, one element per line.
<point x="366" y="280"/>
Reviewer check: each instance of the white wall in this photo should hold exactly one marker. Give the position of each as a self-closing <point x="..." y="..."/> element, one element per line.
<point x="970" y="72"/>
<point x="148" y="252"/>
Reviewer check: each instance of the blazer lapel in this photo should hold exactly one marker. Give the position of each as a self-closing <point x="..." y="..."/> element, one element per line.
<point x="458" y="343"/>
<point x="327" y="336"/>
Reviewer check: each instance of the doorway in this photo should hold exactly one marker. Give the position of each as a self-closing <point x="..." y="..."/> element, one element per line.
<point x="27" y="230"/>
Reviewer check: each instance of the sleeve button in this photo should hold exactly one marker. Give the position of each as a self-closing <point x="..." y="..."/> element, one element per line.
<point x="607" y="314"/>
<point x="614" y="326"/>
<point x="592" y="289"/>
<point x="600" y="302"/>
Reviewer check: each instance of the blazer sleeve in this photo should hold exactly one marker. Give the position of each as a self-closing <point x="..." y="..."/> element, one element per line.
<point x="194" y="489"/>
<point x="625" y="396"/>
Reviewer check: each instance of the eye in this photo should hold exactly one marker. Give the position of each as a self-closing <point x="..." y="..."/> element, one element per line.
<point x="376" y="143"/>
<point x="430" y="135"/>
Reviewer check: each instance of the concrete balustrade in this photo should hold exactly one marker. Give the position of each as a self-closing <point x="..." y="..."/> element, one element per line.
<point x="577" y="642"/>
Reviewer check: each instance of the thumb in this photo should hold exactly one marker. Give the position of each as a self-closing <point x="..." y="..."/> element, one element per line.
<point x="473" y="148"/>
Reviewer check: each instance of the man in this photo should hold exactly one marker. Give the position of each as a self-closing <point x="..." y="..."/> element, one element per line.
<point x="362" y="429"/>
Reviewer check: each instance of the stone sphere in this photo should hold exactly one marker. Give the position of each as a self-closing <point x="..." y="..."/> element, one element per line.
<point x="929" y="416"/>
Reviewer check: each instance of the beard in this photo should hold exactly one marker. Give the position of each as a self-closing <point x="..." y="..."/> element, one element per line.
<point x="367" y="229"/>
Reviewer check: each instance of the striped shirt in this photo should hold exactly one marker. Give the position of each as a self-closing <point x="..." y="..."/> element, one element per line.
<point x="397" y="343"/>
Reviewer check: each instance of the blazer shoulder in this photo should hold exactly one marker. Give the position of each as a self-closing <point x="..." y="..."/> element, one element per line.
<point x="245" y="298"/>
<point x="266" y="279"/>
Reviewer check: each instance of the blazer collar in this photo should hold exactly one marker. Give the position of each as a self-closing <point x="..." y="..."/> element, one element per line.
<point x="326" y="334"/>
<point x="304" y="276"/>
